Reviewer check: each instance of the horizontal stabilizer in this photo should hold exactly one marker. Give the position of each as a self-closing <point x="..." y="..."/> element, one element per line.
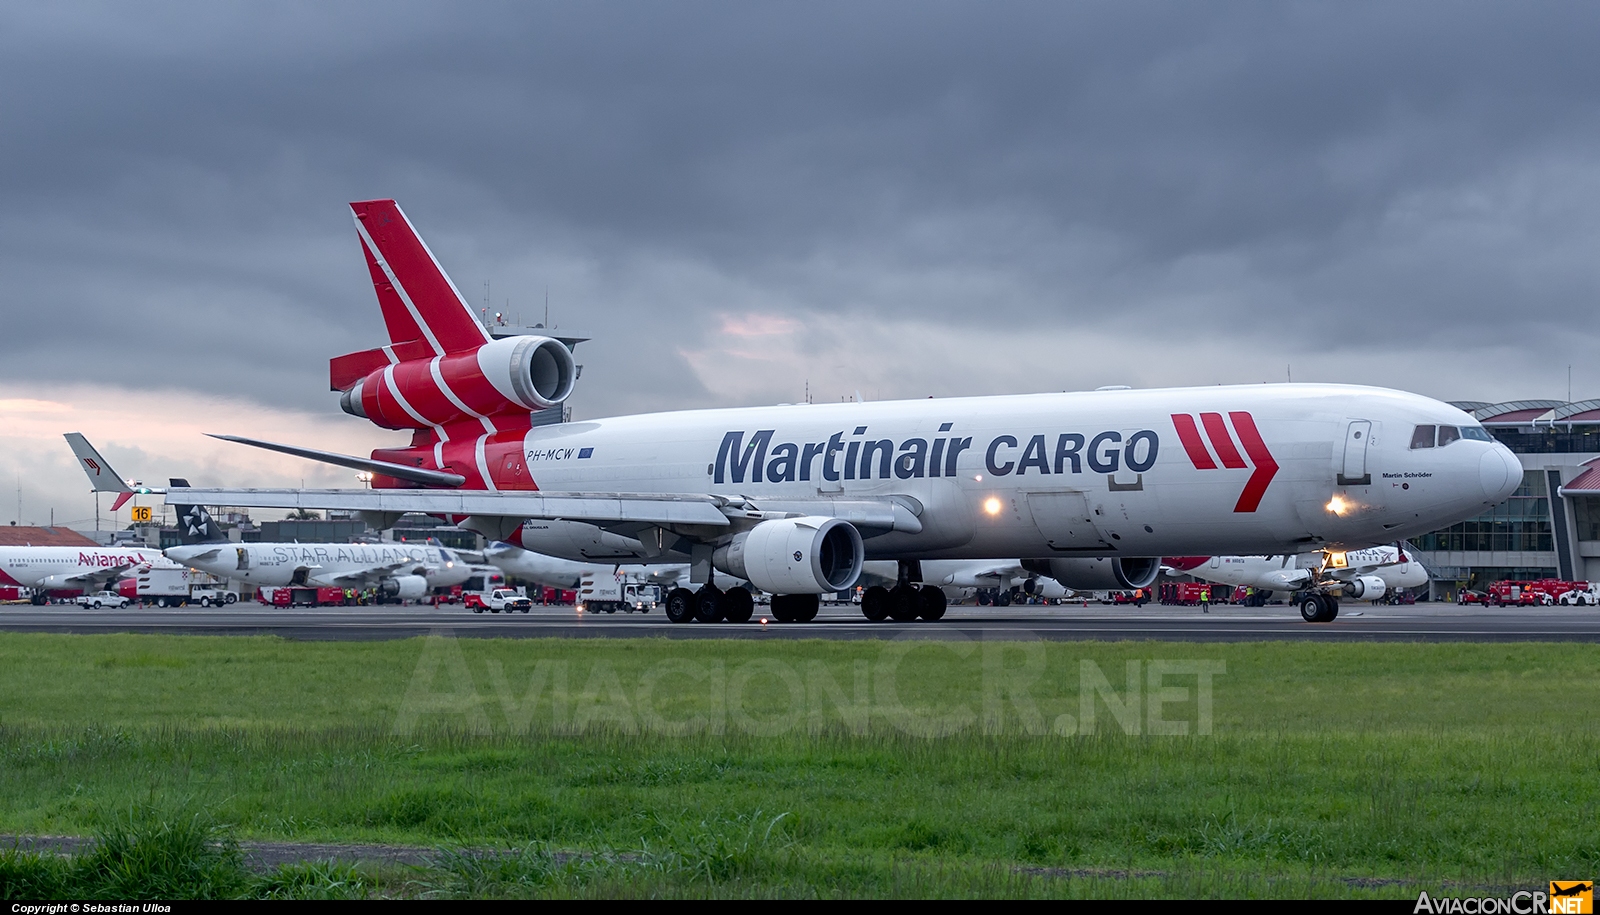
<point x="398" y="471"/>
<point x="596" y="508"/>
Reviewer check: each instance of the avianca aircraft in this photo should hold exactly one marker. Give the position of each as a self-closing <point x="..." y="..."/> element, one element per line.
<point x="1367" y="573"/>
<point x="1097" y="485"/>
<point x="401" y="571"/>
<point x="73" y="568"/>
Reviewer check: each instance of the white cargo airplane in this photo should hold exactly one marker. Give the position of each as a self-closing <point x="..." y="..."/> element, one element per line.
<point x="1365" y="574"/>
<point x="1096" y="486"/>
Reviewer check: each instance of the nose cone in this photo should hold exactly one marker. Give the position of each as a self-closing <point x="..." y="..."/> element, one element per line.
<point x="1500" y="473"/>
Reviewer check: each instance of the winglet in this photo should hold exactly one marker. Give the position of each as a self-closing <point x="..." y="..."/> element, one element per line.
<point x="98" y="469"/>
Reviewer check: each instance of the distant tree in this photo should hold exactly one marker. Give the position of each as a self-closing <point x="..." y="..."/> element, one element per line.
<point x="304" y="514"/>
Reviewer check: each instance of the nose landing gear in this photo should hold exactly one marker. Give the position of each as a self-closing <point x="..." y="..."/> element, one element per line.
<point x="1317" y="607"/>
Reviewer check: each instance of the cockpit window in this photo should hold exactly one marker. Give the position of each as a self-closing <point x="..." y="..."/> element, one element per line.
<point x="1475" y="433"/>
<point x="1422" y="438"/>
<point x="1448" y="434"/>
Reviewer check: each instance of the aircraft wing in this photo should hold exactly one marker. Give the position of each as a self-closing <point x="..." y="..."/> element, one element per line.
<point x="363" y="576"/>
<point x="98" y="577"/>
<point x="593" y="507"/>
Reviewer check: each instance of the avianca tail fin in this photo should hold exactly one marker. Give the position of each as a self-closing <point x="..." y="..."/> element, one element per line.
<point x="419" y="302"/>
<point x="101" y="476"/>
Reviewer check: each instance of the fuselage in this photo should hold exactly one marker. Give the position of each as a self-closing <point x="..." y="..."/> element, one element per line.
<point x="1237" y="469"/>
<point x="65" y="567"/>
<point x="567" y="574"/>
<point x="282" y="564"/>
<point x="1289" y="572"/>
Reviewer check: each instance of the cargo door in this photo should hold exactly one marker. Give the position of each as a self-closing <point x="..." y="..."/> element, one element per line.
<point x="1354" y="468"/>
<point x="1066" y="522"/>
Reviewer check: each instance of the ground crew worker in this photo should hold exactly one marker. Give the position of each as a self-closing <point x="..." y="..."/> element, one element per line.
<point x="1205" y="600"/>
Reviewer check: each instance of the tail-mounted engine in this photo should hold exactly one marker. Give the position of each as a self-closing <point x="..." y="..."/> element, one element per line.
<point x="1112" y="574"/>
<point x="509" y="375"/>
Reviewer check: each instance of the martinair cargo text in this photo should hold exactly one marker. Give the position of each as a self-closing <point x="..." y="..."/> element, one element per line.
<point x="1096" y="486"/>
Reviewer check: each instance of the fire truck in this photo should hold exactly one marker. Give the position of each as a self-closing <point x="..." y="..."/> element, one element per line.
<point x="1519" y="594"/>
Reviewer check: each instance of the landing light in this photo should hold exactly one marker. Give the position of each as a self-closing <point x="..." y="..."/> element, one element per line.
<point x="992" y="505"/>
<point x="1337" y="505"/>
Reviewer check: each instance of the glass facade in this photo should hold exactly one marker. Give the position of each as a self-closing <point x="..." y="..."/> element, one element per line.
<point x="1586" y="511"/>
<point x="1551" y="440"/>
<point x="1521" y="522"/>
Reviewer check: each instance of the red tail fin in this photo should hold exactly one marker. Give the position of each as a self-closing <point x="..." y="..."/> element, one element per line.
<point x="418" y="300"/>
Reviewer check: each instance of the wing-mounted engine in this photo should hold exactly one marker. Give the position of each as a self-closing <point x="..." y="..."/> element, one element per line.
<point x="1365" y="587"/>
<point x="807" y="555"/>
<point x="1108" y="574"/>
<point x="404" y="587"/>
<point x="509" y="375"/>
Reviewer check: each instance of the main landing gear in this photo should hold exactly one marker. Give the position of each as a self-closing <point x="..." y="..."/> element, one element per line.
<point x="908" y="600"/>
<point x="711" y="604"/>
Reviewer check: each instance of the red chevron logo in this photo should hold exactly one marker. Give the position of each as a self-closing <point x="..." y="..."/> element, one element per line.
<point x="1222" y="443"/>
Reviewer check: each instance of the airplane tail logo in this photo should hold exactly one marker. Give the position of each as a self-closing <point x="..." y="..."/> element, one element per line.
<point x="1227" y="452"/>
<point x="419" y="302"/>
<point x="194" y="522"/>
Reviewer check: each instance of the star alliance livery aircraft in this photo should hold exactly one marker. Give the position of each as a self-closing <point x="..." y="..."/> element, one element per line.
<point x="1095" y="486"/>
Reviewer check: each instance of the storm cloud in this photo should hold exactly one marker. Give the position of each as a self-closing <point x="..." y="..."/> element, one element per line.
<point x="743" y="202"/>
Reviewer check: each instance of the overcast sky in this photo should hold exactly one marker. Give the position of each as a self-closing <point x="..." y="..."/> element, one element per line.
<point x="738" y="199"/>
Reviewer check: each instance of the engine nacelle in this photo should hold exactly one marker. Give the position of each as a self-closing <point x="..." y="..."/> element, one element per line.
<point x="1365" y="587"/>
<point x="810" y="555"/>
<point x="404" y="587"/>
<point x="509" y="375"/>
<point x="1106" y="574"/>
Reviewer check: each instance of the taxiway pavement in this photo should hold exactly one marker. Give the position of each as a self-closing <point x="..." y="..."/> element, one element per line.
<point x="1418" y="623"/>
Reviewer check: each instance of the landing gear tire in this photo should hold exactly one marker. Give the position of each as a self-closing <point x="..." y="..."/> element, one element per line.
<point x="738" y="605"/>
<point x="804" y="607"/>
<point x="783" y="608"/>
<point x="1318" y="608"/>
<point x="932" y="603"/>
<point x="708" y="605"/>
<point x="1003" y="599"/>
<point x="680" y="605"/>
<point x="875" y="602"/>
<point x="903" y="603"/>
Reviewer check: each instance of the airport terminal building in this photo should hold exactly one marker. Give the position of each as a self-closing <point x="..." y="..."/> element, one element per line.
<point x="1550" y="528"/>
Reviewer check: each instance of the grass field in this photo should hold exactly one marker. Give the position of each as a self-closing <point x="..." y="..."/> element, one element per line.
<point x="824" y="768"/>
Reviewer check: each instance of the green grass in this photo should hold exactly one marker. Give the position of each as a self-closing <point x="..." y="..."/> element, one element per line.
<point x="801" y="768"/>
